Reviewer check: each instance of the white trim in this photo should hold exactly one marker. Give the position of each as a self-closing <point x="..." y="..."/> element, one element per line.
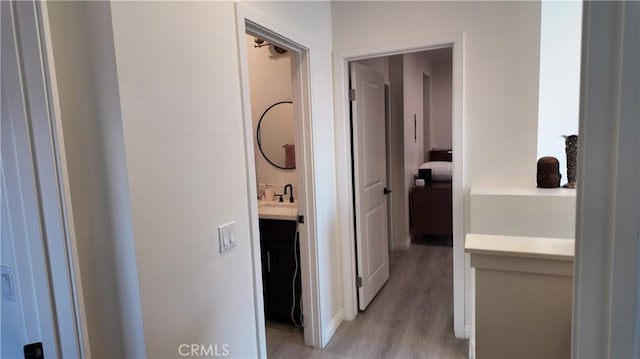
<point x="472" y="330"/>
<point x="249" y="20"/>
<point x="344" y="188"/>
<point x="63" y="173"/>
<point x="607" y="265"/>
<point x="333" y="326"/>
<point x="472" y="348"/>
<point x="343" y="164"/>
<point x="407" y="243"/>
<point x="36" y="62"/>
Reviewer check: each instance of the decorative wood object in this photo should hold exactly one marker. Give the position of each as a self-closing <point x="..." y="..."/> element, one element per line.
<point x="571" y="148"/>
<point x="548" y="175"/>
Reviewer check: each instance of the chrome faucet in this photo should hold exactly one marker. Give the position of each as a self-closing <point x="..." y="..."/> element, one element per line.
<point x="290" y="192"/>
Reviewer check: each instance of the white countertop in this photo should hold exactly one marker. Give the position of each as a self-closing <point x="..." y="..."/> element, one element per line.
<point x="278" y="210"/>
<point x="516" y="246"/>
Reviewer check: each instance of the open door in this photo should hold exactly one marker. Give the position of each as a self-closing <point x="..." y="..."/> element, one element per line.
<point x="38" y="307"/>
<point x="369" y="172"/>
<point x="28" y="321"/>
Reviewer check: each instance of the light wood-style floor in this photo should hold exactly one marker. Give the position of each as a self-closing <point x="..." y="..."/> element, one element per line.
<point x="411" y="317"/>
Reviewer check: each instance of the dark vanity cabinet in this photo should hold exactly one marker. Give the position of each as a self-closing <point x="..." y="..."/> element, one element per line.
<point x="280" y="250"/>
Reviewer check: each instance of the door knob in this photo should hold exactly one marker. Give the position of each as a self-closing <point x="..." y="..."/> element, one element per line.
<point x="386" y="191"/>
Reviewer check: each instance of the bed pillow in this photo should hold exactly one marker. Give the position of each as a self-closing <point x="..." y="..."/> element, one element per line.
<point x="440" y="171"/>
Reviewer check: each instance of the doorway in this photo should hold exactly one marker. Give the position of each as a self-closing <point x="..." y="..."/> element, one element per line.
<point x="408" y="147"/>
<point x="278" y="41"/>
<point x="274" y="128"/>
<point x="342" y="60"/>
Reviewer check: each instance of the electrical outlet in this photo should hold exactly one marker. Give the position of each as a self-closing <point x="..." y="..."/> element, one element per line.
<point x="226" y="237"/>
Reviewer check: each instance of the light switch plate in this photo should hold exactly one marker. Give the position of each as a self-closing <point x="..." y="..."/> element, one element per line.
<point x="226" y="237"/>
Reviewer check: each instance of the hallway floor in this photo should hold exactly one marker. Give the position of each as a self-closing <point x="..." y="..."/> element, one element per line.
<point x="411" y="317"/>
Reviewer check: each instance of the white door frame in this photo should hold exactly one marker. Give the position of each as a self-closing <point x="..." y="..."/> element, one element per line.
<point x="35" y="59"/>
<point x="249" y="21"/>
<point x="341" y="59"/>
<point x="607" y="255"/>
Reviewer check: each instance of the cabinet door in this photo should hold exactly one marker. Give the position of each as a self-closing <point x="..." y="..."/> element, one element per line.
<point x="280" y="269"/>
<point x="282" y="293"/>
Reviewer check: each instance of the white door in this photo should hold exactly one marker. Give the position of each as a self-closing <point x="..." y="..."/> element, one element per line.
<point x="37" y="307"/>
<point x="369" y="171"/>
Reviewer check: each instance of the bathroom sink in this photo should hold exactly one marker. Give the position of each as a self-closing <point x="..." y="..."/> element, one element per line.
<point x="278" y="210"/>
<point x="277" y="204"/>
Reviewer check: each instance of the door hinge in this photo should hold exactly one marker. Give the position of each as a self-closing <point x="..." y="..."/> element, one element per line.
<point x="352" y="95"/>
<point x="359" y="282"/>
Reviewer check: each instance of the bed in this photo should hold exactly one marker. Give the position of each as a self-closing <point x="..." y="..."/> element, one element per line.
<point x="431" y="206"/>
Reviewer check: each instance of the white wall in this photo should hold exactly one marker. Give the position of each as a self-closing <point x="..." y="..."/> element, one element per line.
<point x="415" y="65"/>
<point x="270" y="83"/>
<point x="399" y="201"/>
<point x="560" y="42"/>
<point x="180" y="92"/>
<point x="181" y="112"/>
<point x="501" y="52"/>
<point x="441" y="105"/>
<point x="90" y="113"/>
<point x="378" y="64"/>
<point x="500" y="72"/>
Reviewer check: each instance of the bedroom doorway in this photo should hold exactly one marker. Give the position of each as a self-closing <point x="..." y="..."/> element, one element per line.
<point x="402" y="120"/>
<point x="368" y="128"/>
<point x="410" y="132"/>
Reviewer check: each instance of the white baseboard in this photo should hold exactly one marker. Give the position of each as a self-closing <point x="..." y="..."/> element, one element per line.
<point x="403" y="244"/>
<point x="332" y="327"/>
<point x="472" y="349"/>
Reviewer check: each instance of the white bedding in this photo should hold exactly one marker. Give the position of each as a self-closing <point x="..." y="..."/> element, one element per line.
<point x="440" y="171"/>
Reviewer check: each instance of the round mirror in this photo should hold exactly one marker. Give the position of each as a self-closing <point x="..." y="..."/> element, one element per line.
<point x="276" y="136"/>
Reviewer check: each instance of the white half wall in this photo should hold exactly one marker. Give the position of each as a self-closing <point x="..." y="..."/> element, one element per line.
<point x="524" y="212"/>
<point x="560" y="43"/>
